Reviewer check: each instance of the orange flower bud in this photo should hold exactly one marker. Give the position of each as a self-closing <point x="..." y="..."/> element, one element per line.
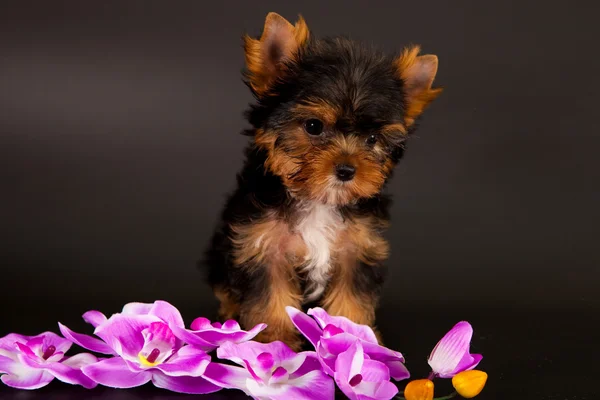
<point x="469" y="383"/>
<point x="420" y="389"/>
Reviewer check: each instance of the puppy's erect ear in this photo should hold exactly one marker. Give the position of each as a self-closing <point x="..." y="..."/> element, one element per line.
<point x="418" y="73"/>
<point x="279" y="41"/>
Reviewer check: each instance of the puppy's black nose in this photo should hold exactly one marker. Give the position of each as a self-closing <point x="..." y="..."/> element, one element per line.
<point x="344" y="172"/>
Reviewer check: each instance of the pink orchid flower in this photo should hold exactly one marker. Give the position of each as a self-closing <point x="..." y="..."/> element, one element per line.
<point x="145" y="350"/>
<point x="333" y="335"/>
<point x="32" y="362"/>
<point x="162" y="310"/>
<point x="361" y="378"/>
<point x="271" y="371"/>
<point x="452" y="354"/>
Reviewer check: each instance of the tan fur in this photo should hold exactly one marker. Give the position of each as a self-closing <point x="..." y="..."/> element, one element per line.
<point x="277" y="32"/>
<point x="314" y="167"/>
<point x="269" y="244"/>
<point x="360" y="241"/>
<point x="393" y="129"/>
<point x="319" y="109"/>
<point x="419" y="92"/>
<point x="228" y="308"/>
<point x="282" y="290"/>
<point x="266" y="241"/>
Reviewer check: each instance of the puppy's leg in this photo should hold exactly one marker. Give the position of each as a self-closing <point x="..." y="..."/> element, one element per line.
<point x="358" y="275"/>
<point x="228" y="308"/>
<point x="266" y="302"/>
<point x="261" y="254"/>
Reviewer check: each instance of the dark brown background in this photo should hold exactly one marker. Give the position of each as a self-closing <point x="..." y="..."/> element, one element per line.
<point x="119" y="125"/>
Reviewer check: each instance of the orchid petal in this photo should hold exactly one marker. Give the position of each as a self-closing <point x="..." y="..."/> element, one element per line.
<point x="232" y="325"/>
<point x="468" y="362"/>
<point x="331" y="330"/>
<point x="250" y="351"/>
<point x="384" y="390"/>
<point x="7" y="364"/>
<point x="94" y="318"/>
<point x="64" y="372"/>
<point x="374" y="371"/>
<point x="451" y="353"/>
<point x="360" y="331"/>
<point x="80" y="360"/>
<point x="373" y="376"/>
<point x="22" y="377"/>
<point x="193" y="340"/>
<point x="351" y="361"/>
<point x="347" y="365"/>
<point x="61" y="345"/>
<point x="308" y="360"/>
<point x="56" y="357"/>
<point x="167" y="313"/>
<point x="123" y="333"/>
<point x="200" y="323"/>
<point x="159" y="331"/>
<point x="394" y="360"/>
<point x="87" y="342"/>
<point x="8" y="342"/>
<point x="314" y="385"/>
<point x="227" y="376"/>
<point x="209" y="336"/>
<point x="26" y="350"/>
<point x="188" y="361"/>
<point x="280" y="375"/>
<point x="113" y="372"/>
<point x="184" y="384"/>
<point x="34" y="345"/>
<point x="305" y="324"/>
<point x="217" y="336"/>
<point x="327" y="360"/>
<point x="265" y="361"/>
<point x="136" y="308"/>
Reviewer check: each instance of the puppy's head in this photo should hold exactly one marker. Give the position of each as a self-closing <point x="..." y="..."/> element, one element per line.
<point x="332" y="115"/>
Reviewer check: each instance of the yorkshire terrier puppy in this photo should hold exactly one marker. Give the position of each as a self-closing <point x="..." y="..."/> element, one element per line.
<point x="305" y="225"/>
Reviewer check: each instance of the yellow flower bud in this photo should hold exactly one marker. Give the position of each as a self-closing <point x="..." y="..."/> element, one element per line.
<point x="469" y="383"/>
<point x="420" y="389"/>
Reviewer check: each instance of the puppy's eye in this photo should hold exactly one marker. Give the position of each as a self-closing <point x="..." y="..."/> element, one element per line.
<point x="313" y="127"/>
<point x="371" y="140"/>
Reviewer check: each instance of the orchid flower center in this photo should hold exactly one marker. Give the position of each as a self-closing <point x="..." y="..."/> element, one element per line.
<point x="153" y="356"/>
<point x="49" y="352"/>
<point x="356" y="379"/>
<point x="159" y="344"/>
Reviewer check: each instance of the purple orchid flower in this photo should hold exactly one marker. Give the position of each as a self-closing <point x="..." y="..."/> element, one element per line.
<point x="162" y="310"/>
<point x="271" y="371"/>
<point x="145" y="348"/>
<point x="208" y="337"/>
<point x="361" y="378"/>
<point x="32" y="362"/>
<point x="333" y="335"/>
<point x="451" y="354"/>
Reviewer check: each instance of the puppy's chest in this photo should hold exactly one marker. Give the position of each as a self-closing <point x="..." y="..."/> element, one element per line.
<point x="318" y="228"/>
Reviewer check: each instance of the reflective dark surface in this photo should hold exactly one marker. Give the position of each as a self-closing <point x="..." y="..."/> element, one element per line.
<point x="119" y="138"/>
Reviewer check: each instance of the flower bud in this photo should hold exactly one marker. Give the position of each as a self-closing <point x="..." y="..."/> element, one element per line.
<point x="469" y="383"/>
<point x="420" y="389"/>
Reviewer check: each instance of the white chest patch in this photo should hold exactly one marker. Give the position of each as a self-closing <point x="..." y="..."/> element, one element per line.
<point x="318" y="227"/>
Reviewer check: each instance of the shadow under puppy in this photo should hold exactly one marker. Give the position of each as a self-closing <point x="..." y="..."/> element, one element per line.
<point x="305" y="225"/>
